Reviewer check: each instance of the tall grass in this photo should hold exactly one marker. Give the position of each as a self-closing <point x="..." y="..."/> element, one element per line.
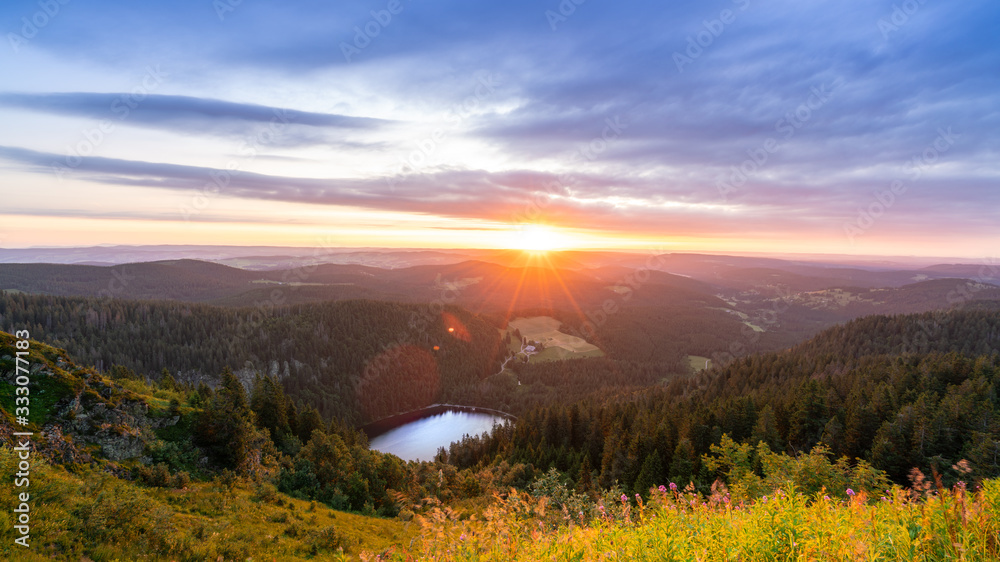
<point x="956" y="524"/>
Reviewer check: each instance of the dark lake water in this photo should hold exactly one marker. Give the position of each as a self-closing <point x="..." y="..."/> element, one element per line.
<point x="419" y="439"/>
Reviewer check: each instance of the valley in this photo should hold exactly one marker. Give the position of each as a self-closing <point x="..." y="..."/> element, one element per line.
<point x="597" y="378"/>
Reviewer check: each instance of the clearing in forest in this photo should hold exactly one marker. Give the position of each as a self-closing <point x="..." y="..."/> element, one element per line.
<point x="698" y="363"/>
<point x="558" y="345"/>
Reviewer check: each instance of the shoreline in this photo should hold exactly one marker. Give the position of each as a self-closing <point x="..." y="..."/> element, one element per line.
<point x="380" y="426"/>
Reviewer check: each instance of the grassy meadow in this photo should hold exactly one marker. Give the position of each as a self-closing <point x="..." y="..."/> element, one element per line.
<point x="89" y="515"/>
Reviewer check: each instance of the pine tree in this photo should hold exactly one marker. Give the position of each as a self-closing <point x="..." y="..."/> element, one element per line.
<point x="651" y="474"/>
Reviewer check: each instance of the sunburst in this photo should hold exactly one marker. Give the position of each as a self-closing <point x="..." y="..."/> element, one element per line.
<point x="538" y="238"/>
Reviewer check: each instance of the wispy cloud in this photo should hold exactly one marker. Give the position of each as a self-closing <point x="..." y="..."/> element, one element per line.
<point x="556" y="90"/>
<point x="191" y="115"/>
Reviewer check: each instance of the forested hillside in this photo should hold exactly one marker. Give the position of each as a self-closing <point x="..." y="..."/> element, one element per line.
<point x="860" y="391"/>
<point x="856" y="407"/>
<point x="353" y="360"/>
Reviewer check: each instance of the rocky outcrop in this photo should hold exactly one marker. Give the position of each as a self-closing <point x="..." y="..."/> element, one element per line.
<point x="89" y="417"/>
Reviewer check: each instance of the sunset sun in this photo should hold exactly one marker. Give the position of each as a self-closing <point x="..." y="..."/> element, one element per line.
<point x="538" y="238"/>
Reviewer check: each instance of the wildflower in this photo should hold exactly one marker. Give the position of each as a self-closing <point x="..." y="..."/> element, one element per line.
<point x="462" y="538"/>
<point x="663" y="489"/>
<point x="885" y="499"/>
<point x="961" y="484"/>
<point x="850" y="492"/>
<point x="673" y="487"/>
<point x="624" y="498"/>
<point x="637" y="497"/>
<point x="765" y="499"/>
<point x="827" y="498"/>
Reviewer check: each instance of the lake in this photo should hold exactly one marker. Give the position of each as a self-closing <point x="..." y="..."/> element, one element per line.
<point x="418" y="435"/>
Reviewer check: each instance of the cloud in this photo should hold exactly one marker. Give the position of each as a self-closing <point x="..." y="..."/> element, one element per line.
<point x="682" y="129"/>
<point x="191" y="115"/>
<point x="636" y="204"/>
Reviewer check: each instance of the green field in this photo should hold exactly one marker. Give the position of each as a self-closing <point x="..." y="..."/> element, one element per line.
<point x="456" y="285"/>
<point x="558" y="345"/>
<point x="295" y="283"/>
<point x="698" y="363"/>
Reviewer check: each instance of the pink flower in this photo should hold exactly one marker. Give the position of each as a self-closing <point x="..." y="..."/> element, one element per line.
<point x="673" y="487"/>
<point x="850" y="492"/>
<point x="827" y="498"/>
<point x="624" y="498"/>
<point x="663" y="489"/>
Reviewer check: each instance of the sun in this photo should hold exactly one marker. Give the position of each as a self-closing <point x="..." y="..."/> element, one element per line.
<point x="538" y="238"/>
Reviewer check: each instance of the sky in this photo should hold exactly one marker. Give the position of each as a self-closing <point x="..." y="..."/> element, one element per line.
<point x="846" y="127"/>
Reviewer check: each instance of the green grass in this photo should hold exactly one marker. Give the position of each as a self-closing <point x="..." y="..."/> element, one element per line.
<point x="98" y="517"/>
<point x="559" y="354"/>
<point x="697" y="362"/>
<point x="294" y="283"/>
<point x="558" y="345"/>
<point x="46" y="387"/>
